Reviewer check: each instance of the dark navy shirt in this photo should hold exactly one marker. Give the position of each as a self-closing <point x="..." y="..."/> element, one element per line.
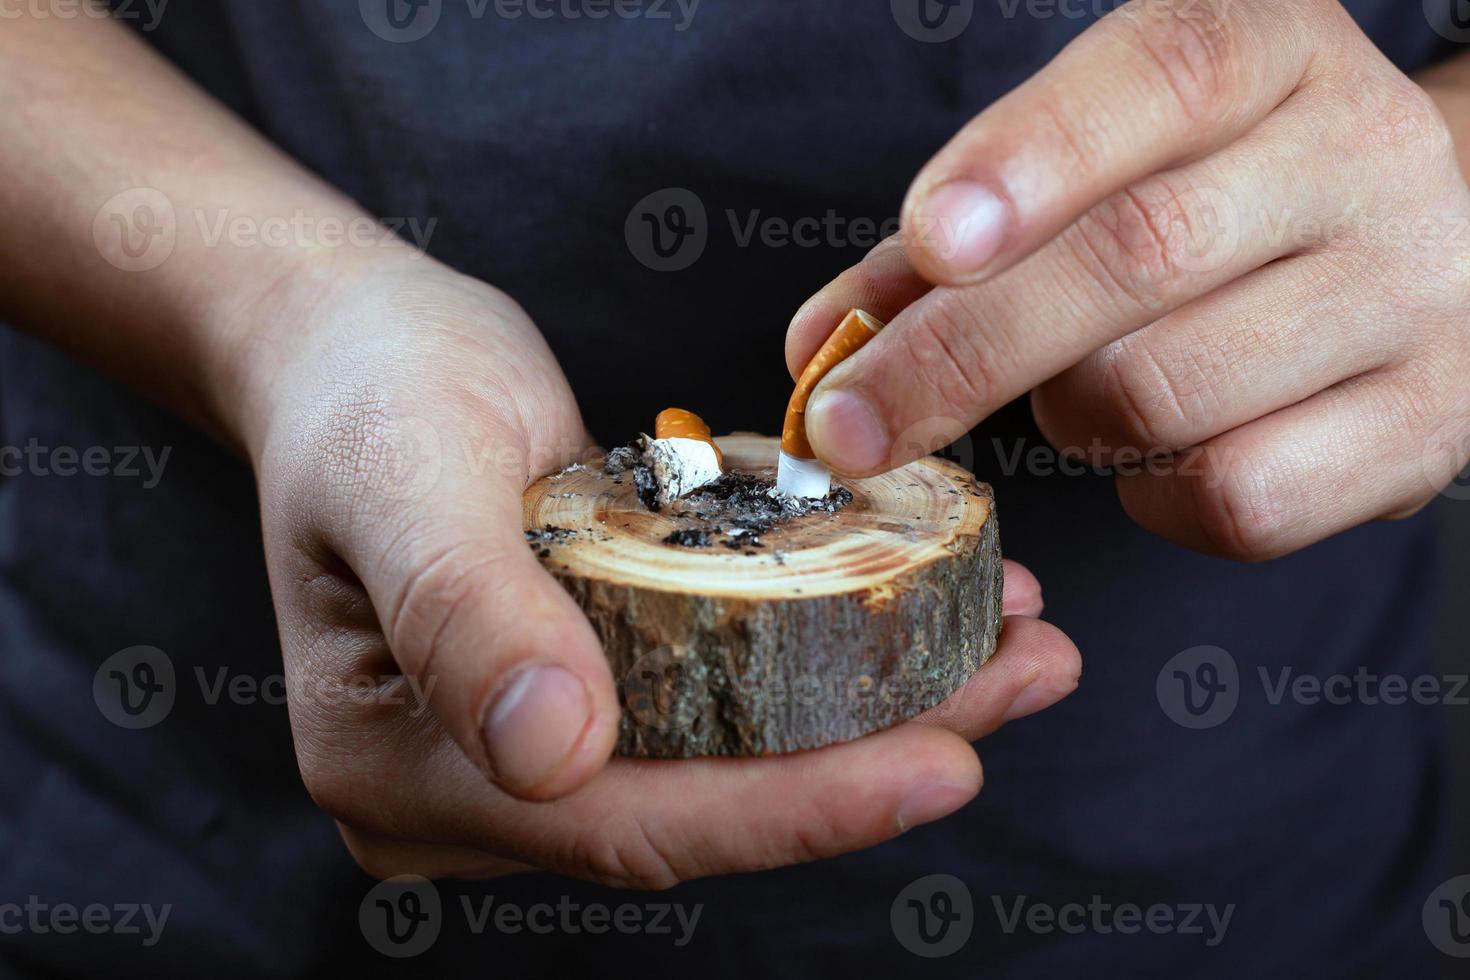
<point x="530" y="141"/>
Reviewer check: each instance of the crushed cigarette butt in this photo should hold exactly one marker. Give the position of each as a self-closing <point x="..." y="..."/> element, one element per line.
<point x="799" y="472"/>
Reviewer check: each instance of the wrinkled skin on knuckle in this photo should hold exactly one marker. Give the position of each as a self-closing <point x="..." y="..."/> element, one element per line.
<point x="1243" y="512"/>
<point x="437" y="581"/>
<point x="1140" y="394"/>
<point x="1137" y="242"/>
<point x="1424" y="393"/>
<point x="622" y="852"/>
<point x="1393" y="116"/>
<point x="949" y="357"/>
<point x="1192" y="45"/>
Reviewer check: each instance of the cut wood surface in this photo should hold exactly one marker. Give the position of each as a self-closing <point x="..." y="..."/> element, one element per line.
<point x="837" y="625"/>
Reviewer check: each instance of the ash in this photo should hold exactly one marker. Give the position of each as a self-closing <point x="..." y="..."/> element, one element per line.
<point x="541" y="538"/>
<point x="741" y="508"/>
<point x="632" y="457"/>
<point x="622" y="459"/>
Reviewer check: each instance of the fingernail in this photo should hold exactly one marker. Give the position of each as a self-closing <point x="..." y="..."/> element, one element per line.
<point x="533" y="724"/>
<point x="1036" y="697"/>
<point x="964" y="223"/>
<point x="930" y="802"/>
<point x="845" y="429"/>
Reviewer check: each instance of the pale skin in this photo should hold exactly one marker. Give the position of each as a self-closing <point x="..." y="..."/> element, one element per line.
<point x="1230" y="230"/>
<point x="315" y="363"/>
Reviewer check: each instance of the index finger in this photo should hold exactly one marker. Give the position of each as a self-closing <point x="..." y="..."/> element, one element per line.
<point x="1154" y="84"/>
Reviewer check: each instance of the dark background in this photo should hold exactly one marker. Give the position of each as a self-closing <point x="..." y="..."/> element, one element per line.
<point x="1451" y="648"/>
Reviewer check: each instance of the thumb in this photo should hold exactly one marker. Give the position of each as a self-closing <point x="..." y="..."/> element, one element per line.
<point x="519" y="677"/>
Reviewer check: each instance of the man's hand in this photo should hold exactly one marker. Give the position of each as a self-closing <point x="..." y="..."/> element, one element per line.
<point x="394" y="412"/>
<point x="407" y="414"/>
<point x="1229" y="226"/>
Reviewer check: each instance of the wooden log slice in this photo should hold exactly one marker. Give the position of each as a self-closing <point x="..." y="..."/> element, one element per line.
<point x="839" y="624"/>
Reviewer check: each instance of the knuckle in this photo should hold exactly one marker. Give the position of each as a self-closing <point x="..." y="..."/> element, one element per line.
<point x="435" y="590"/>
<point x="1073" y="138"/>
<point x="627" y="855"/>
<point x="1138" y="241"/>
<point x="1420" y="394"/>
<point x="1400" y="115"/>
<point x="1139" y="392"/>
<point x="1241" y="511"/>
<point x="1192" y="46"/>
<point x="947" y="362"/>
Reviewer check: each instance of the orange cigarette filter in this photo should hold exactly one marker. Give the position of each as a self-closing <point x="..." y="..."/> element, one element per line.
<point x="680" y="423"/>
<point x="855" y="330"/>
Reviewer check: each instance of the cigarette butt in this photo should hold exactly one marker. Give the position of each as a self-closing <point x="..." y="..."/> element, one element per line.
<point x="855" y="330"/>
<point x="680" y="423"/>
